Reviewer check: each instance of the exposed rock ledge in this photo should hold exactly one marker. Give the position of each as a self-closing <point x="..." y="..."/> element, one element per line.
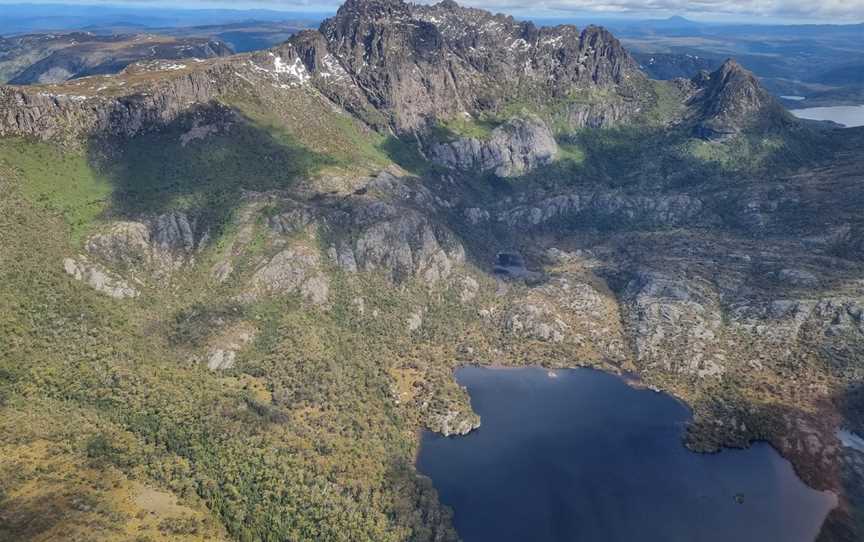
<point x="98" y="278"/>
<point x="453" y="422"/>
<point x="513" y="149"/>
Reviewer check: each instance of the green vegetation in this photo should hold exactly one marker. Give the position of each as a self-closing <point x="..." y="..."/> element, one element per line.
<point x="210" y="175"/>
<point x="668" y="105"/>
<point x="300" y="442"/>
<point x="570" y="152"/>
<point x="464" y="127"/>
<point x="58" y="181"/>
<point x="748" y="152"/>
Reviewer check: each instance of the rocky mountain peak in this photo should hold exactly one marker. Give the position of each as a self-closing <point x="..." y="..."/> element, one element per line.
<point x="731" y="100"/>
<point x="375" y="9"/>
<point x="419" y="63"/>
<point x="396" y="66"/>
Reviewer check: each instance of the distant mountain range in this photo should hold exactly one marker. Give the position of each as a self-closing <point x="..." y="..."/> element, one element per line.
<point x="29" y="18"/>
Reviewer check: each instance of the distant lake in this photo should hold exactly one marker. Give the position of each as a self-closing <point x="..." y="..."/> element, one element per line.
<point x="579" y="455"/>
<point x="847" y="115"/>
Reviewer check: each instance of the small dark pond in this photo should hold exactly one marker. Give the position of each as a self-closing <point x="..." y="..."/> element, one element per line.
<point x="582" y="456"/>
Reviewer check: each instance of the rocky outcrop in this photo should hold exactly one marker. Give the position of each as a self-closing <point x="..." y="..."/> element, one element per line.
<point x="54" y="115"/>
<point x="222" y="352"/>
<point x="453" y="423"/>
<point x="538" y="322"/>
<point x="99" y="278"/>
<point x="731" y="100"/>
<point x="145" y="97"/>
<point x="295" y="270"/>
<point x="332" y="78"/>
<point x="406" y="246"/>
<point x="673" y="323"/>
<point x="607" y="209"/>
<point x="400" y="242"/>
<point x="515" y="148"/>
<point x="154" y="246"/>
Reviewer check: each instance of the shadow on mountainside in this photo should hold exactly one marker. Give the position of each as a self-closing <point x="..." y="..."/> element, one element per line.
<point x="201" y="163"/>
<point x="31" y="518"/>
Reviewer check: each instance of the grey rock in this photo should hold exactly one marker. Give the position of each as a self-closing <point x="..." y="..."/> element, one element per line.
<point x="515" y="148"/>
<point x="470" y="287"/>
<point x="415" y="321"/>
<point x="154" y="246"/>
<point x="402" y="243"/>
<point x="98" y="278"/>
<point x="293" y="270"/>
<point x="675" y="324"/>
<point x="453" y="422"/>
<point x="476" y="215"/>
<point x="538" y="322"/>
<point x="221" y="360"/>
<point x="731" y="100"/>
<point x="414" y="63"/>
<point x="797" y="277"/>
<point x="607" y="208"/>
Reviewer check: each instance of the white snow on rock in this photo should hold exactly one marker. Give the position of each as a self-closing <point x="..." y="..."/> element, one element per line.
<point x="295" y="70"/>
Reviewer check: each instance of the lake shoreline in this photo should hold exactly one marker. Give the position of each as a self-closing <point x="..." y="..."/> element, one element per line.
<point x="847" y="116"/>
<point x="541" y="377"/>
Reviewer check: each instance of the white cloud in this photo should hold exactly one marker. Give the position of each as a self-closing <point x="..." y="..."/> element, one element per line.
<point x="851" y="11"/>
<point x="755" y="11"/>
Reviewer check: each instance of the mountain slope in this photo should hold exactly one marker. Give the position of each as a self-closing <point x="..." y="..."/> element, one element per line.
<point x="250" y="277"/>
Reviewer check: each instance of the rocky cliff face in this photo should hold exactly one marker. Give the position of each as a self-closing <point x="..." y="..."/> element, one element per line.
<point x="513" y="149"/>
<point x="145" y="97"/>
<point x="420" y="63"/>
<point x="53" y="115"/>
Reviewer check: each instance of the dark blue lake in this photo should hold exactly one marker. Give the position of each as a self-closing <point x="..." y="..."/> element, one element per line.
<point x="583" y="456"/>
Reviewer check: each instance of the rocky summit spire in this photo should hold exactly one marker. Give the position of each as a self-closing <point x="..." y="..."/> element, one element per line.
<point x="731" y="100"/>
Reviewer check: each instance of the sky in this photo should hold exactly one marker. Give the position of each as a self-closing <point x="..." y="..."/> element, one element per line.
<point x="752" y="11"/>
<point x="801" y="10"/>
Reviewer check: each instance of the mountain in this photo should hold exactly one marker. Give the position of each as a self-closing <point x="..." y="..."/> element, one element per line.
<point x="731" y="99"/>
<point x="53" y="58"/>
<point x="426" y="62"/>
<point x="676" y="22"/>
<point x="814" y="61"/>
<point x="233" y="289"/>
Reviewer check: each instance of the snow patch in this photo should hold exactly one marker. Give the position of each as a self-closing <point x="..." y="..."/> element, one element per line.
<point x="295" y="70"/>
<point x="520" y="44"/>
